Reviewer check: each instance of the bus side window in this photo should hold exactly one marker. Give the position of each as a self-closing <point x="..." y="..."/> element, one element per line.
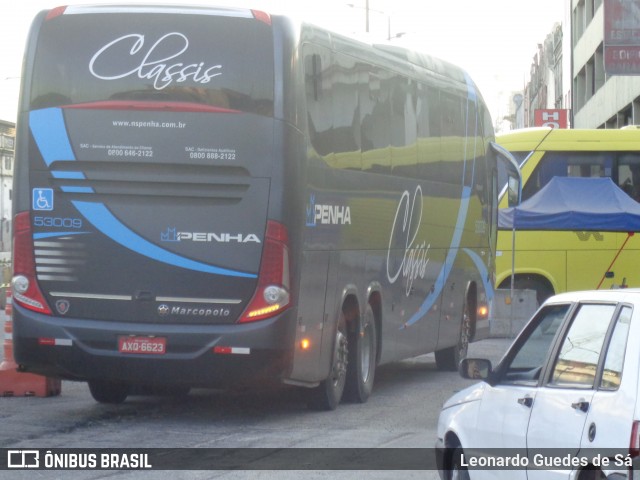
<point x="318" y="105"/>
<point x="567" y="164"/>
<point x="629" y="175"/>
<point x="551" y="164"/>
<point x="429" y="132"/>
<point x="313" y="76"/>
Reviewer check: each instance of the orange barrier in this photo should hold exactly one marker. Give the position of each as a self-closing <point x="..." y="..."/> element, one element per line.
<point x="20" y="384"/>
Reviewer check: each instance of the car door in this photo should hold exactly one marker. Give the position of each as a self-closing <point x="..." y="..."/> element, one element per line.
<point x="507" y="402"/>
<point x="562" y="403"/>
<point x="610" y="419"/>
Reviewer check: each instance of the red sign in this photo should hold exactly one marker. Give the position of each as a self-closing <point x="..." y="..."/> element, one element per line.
<point x="622" y="60"/>
<point x="622" y="37"/>
<point x="553" y="118"/>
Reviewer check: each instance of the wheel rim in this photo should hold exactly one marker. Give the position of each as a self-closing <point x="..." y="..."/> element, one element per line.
<point x="339" y="371"/>
<point x="465" y="333"/>
<point x="365" y="353"/>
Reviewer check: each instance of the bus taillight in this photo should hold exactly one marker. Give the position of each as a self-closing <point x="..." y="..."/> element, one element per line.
<point x="264" y="17"/>
<point x="272" y="294"/>
<point x="24" y="286"/>
<point x="56" y="12"/>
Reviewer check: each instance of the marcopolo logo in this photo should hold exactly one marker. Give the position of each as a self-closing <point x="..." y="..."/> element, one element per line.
<point x="179" y="310"/>
<point x="327" y="214"/>
<point x="173" y="235"/>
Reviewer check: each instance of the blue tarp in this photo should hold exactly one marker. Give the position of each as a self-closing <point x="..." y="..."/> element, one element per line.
<point x="574" y="203"/>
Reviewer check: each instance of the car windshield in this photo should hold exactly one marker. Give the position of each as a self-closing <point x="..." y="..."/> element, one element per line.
<point x="526" y="364"/>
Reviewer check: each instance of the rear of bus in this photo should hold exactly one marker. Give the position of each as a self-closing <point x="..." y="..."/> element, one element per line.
<point x="147" y="250"/>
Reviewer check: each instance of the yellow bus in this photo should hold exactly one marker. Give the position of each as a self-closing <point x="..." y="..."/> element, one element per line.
<point x="557" y="261"/>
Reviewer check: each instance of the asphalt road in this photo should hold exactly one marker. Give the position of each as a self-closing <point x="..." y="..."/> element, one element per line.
<point x="402" y="413"/>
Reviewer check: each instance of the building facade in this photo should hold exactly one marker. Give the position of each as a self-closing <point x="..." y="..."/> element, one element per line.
<point x="7" y="155"/>
<point x="545" y="88"/>
<point x="568" y="72"/>
<point x="599" y="100"/>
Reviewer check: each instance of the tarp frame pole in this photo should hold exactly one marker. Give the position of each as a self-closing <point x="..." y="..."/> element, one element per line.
<point x="513" y="258"/>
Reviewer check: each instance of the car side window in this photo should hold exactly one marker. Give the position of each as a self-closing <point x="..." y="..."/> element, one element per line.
<point x="532" y="354"/>
<point x="614" y="361"/>
<point x="577" y="362"/>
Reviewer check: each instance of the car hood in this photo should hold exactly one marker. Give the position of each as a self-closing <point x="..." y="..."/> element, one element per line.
<point x="469" y="394"/>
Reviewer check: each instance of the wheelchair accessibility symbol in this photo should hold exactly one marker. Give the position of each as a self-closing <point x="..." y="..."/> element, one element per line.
<point x="42" y="199"/>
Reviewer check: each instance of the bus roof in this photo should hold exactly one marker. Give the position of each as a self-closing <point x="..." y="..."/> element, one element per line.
<point x="557" y="139"/>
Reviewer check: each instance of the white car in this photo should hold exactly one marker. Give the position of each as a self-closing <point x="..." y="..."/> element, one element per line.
<point x="562" y="402"/>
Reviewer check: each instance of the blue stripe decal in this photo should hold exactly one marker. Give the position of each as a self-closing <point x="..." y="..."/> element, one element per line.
<point x="484" y="273"/>
<point x="471" y="88"/>
<point x="69" y="175"/>
<point x="472" y="97"/>
<point x="40" y="236"/>
<point x="101" y="218"/>
<point x="50" y="134"/>
<point x="77" y="189"/>
<point x="448" y="263"/>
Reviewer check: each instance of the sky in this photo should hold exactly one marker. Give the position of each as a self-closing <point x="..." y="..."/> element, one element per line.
<point x="493" y="40"/>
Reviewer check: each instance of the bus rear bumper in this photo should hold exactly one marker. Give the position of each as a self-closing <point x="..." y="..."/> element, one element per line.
<point x="194" y="355"/>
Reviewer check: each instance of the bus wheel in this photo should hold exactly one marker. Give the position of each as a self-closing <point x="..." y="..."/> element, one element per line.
<point x="106" y="391"/>
<point x="362" y="360"/>
<point x="328" y="394"/>
<point x="448" y="359"/>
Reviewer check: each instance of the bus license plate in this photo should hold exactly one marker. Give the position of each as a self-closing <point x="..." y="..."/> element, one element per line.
<point x="142" y="345"/>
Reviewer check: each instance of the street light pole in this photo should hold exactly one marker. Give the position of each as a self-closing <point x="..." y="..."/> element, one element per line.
<point x="366" y="16"/>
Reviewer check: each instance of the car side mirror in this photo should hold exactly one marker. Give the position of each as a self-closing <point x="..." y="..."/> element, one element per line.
<point x="475" y="368"/>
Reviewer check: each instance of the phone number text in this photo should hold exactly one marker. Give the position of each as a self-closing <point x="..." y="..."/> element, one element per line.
<point x="117" y="152"/>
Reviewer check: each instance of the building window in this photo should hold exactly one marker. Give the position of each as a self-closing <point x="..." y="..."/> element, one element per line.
<point x="7" y="142"/>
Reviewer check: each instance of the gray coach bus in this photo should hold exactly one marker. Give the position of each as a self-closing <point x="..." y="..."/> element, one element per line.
<point x="212" y="197"/>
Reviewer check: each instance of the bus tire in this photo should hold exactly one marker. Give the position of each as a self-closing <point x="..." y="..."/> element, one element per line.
<point x="448" y="359"/>
<point x="328" y="394"/>
<point x="361" y="368"/>
<point x="106" y="391"/>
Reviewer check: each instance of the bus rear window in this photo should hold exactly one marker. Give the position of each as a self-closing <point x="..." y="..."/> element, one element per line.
<point x="218" y="61"/>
